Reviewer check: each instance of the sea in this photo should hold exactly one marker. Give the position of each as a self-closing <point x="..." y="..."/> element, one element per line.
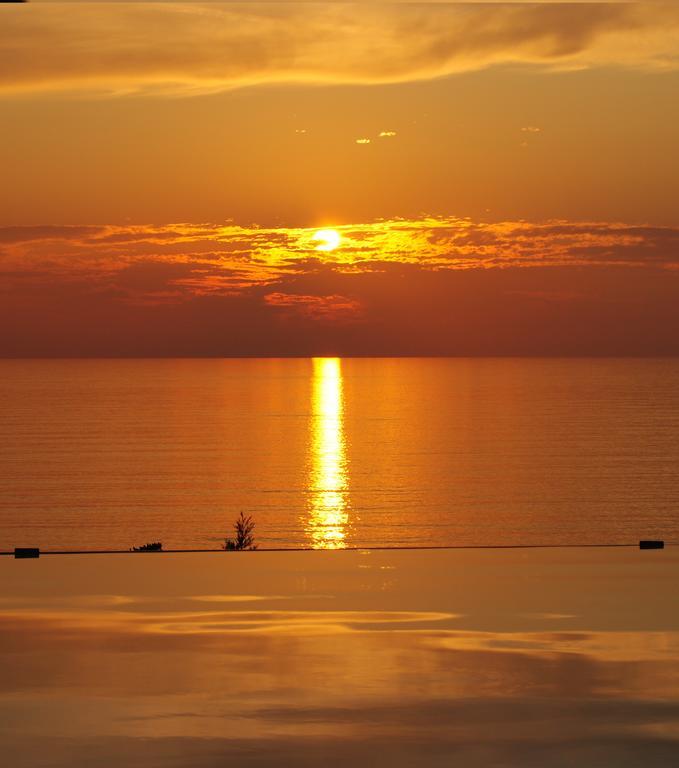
<point x="333" y="453"/>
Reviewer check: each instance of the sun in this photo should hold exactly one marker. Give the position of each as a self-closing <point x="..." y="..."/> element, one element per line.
<point x="328" y="239"/>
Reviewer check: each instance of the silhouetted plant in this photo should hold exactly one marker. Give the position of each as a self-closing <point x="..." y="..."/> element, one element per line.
<point x="243" y="527"/>
<point x="153" y="546"/>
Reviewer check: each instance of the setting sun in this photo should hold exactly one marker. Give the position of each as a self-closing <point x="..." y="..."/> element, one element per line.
<point x="393" y="281"/>
<point x="328" y="239"/>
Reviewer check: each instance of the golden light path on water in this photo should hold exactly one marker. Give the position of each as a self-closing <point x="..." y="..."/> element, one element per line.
<point x="328" y="512"/>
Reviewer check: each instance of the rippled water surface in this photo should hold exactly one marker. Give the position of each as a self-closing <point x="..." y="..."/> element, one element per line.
<point x="331" y="452"/>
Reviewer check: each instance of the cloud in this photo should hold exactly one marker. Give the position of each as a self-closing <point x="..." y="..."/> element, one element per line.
<point x="226" y="258"/>
<point x="328" y="308"/>
<point x="120" y="49"/>
<point x="424" y="286"/>
<point x="28" y="233"/>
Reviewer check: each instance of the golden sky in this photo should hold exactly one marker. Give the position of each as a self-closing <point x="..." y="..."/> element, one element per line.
<point x="468" y="155"/>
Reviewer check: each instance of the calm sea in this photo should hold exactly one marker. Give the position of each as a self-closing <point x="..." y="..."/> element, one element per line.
<point x="333" y="452"/>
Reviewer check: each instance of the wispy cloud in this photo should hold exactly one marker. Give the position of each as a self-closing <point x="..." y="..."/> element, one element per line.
<point x="331" y="308"/>
<point x="126" y="48"/>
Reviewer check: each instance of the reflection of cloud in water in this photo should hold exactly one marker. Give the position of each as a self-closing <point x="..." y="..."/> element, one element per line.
<point x="604" y="646"/>
<point x="198" y="688"/>
<point x="442" y="669"/>
<point x="238" y="598"/>
<point x="215" y="621"/>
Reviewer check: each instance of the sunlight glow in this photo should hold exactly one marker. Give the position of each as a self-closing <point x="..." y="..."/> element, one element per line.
<point x="328" y="507"/>
<point x="328" y="239"/>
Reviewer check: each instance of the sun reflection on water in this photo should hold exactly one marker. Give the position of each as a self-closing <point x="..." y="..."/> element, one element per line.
<point x="328" y="507"/>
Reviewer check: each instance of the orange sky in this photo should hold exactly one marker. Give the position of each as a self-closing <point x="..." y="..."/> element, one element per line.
<point x="504" y="178"/>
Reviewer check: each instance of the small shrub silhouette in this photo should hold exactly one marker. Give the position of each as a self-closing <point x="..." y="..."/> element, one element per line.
<point x="243" y="527"/>
<point x="153" y="546"/>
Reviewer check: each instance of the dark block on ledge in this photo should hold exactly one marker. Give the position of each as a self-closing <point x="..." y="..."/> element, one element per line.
<point x="650" y="544"/>
<point x="21" y="553"/>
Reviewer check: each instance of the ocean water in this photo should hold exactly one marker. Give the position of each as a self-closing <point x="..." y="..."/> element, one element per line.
<point x="331" y="453"/>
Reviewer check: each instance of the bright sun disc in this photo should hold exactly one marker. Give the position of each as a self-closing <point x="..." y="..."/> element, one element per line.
<point x="328" y="239"/>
